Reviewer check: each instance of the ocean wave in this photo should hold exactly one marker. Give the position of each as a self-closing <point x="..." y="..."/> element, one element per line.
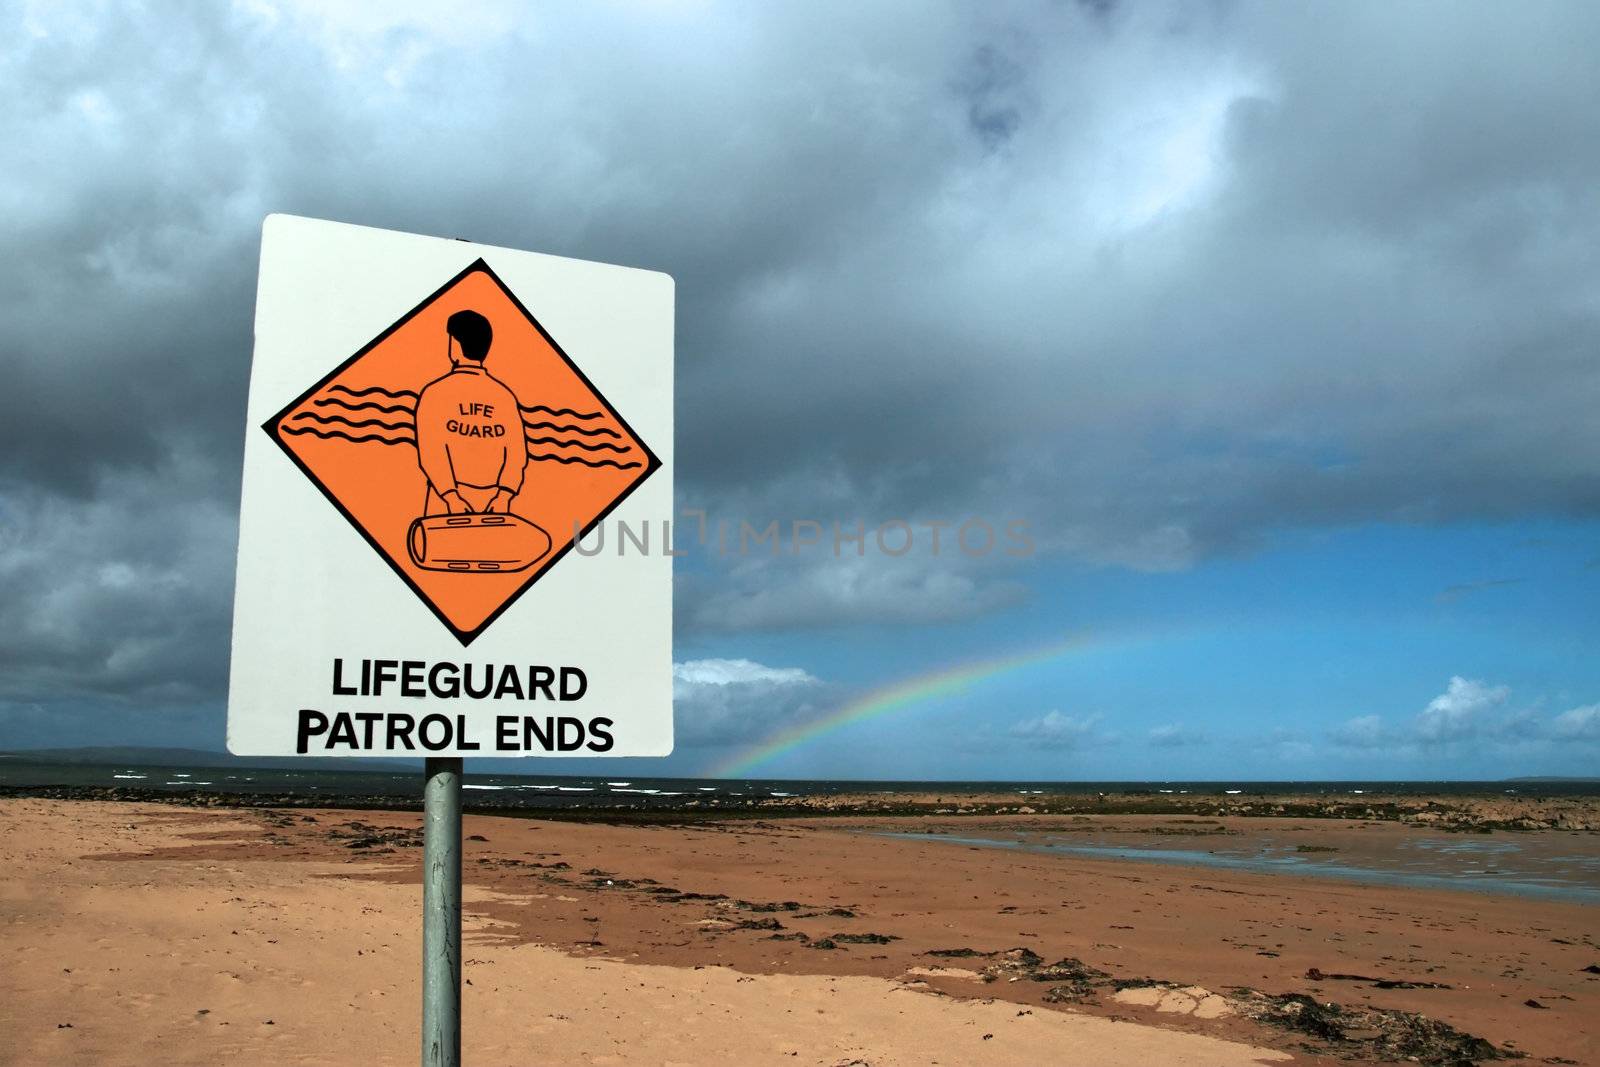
<point x="392" y="394"/>
<point x="349" y="436"/>
<point x="571" y="412"/>
<point x="333" y="401"/>
<point x="599" y="431"/>
<point x="329" y="419"/>
<point x="588" y="462"/>
<point x="601" y="447"/>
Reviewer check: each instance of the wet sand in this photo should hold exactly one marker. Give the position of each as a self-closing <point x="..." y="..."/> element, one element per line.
<point x="811" y="941"/>
<point x="1546" y="866"/>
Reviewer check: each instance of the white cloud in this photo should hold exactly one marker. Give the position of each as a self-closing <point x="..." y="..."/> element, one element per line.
<point x="1579" y="724"/>
<point x="1471" y="713"/>
<point x="1282" y="745"/>
<point x="1056" y="730"/>
<point x="697" y="672"/>
<point x="1175" y="735"/>
<point x="1364" y="732"/>
<point x="1460" y="711"/>
<point x="731" y="701"/>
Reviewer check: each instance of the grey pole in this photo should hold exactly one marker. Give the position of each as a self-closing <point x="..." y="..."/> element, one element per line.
<point x="441" y="913"/>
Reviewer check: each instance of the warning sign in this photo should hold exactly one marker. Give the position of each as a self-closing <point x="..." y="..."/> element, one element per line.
<point x="435" y="426"/>
<point x="466" y="447"/>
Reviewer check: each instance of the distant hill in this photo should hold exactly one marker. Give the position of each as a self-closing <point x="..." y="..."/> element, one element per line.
<point x="1554" y="778"/>
<point x="148" y="756"/>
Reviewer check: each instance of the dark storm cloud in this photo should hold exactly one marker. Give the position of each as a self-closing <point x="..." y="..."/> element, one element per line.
<point x="793" y="593"/>
<point x="121" y="595"/>
<point x="1159" y="279"/>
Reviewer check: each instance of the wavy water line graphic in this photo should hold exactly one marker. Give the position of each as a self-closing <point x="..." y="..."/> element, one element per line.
<point x="563" y="411"/>
<point x="360" y="404"/>
<point x="586" y="462"/>
<point x="600" y="447"/>
<point x="565" y="428"/>
<point x="328" y="419"/>
<point x="392" y="394"/>
<point x="341" y="435"/>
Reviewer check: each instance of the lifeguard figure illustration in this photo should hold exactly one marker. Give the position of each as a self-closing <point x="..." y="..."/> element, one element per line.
<point x="469" y="431"/>
<point x="472" y="448"/>
<point x="467" y="448"/>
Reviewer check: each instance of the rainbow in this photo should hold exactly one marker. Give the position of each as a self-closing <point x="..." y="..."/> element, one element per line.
<point x="891" y="698"/>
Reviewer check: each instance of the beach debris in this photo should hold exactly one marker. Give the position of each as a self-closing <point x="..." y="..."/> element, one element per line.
<point x="1530" y="1002"/>
<point x="1315" y="975"/>
<point x="1073" y="979"/>
<point x="611" y="883"/>
<point x="1369" y="1033"/>
<point x="360" y="835"/>
<point x="787" y="905"/>
<point x="1349" y="1032"/>
<point x="865" y="939"/>
<point x="825" y="943"/>
<point x="1013" y="964"/>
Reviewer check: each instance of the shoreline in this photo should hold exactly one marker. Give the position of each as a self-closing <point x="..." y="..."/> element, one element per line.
<point x="1470" y="813"/>
<point x="1321" y="864"/>
<point x="1225" y="955"/>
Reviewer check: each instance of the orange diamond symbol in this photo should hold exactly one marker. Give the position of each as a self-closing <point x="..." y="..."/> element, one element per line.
<point x="466" y="447"/>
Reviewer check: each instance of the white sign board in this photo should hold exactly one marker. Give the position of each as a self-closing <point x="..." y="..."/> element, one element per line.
<point x="440" y="435"/>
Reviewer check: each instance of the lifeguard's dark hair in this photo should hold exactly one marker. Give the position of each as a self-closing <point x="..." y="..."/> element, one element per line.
<point x="472" y="331"/>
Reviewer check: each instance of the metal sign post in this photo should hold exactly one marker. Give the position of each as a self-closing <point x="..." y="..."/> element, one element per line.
<point x="441" y="913"/>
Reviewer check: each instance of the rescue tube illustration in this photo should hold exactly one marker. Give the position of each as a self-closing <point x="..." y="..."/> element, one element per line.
<point x="476" y="543"/>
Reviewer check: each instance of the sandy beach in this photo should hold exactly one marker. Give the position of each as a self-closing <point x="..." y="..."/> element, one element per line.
<point x="143" y="931"/>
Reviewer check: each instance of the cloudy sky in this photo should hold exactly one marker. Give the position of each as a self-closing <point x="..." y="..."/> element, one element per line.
<point x="1277" y="327"/>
